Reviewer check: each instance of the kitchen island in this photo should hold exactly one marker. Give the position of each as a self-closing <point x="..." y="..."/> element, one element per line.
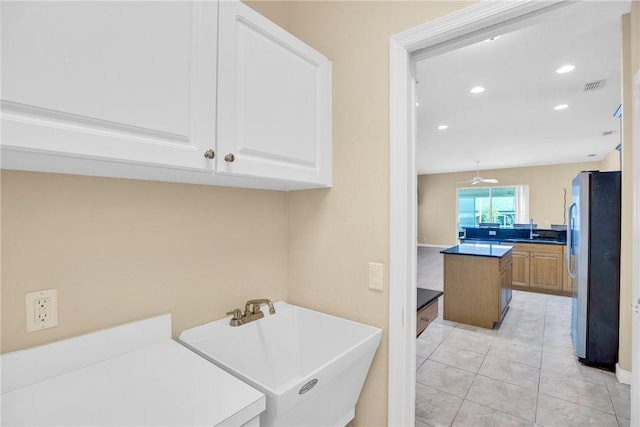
<point x="477" y="283"/>
<point x="538" y="256"/>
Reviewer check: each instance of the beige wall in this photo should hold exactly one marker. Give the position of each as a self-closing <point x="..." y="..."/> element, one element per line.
<point x="437" y="197"/>
<point x="611" y="162"/>
<point x="334" y="233"/>
<point x="122" y="250"/>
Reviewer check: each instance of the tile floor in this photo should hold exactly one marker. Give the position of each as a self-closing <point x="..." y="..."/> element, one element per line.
<point x="522" y="374"/>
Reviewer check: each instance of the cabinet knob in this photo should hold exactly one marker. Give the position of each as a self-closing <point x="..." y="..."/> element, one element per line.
<point x="229" y="158"/>
<point x="209" y="154"/>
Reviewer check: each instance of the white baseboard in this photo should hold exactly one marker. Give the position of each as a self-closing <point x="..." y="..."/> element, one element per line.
<point x="623" y="375"/>
<point x="428" y="245"/>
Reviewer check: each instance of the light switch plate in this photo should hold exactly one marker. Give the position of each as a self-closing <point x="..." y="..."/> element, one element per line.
<point x="376" y="275"/>
<point x="41" y="309"/>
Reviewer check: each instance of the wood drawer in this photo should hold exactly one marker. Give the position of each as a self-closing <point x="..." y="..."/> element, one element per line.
<point x="537" y="247"/>
<point x="425" y="316"/>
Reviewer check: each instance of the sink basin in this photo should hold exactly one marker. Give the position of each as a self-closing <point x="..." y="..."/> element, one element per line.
<point x="310" y="365"/>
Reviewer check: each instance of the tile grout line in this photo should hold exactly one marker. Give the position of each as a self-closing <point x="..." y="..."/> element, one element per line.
<point x="544" y="327"/>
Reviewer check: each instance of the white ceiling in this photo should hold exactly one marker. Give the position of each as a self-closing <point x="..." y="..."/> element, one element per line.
<point x="513" y="123"/>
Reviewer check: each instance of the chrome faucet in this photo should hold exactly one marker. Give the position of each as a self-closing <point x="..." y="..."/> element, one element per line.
<point x="251" y="312"/>
<point x="531" y="233"/>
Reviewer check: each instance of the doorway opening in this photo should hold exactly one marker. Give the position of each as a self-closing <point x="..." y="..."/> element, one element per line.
<point x="460" y="29"/>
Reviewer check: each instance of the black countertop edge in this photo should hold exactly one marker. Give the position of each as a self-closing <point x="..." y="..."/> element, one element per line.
<point x="484" y="250"/>
<point x="499" y="241"/>
<point x="426" y="297"/>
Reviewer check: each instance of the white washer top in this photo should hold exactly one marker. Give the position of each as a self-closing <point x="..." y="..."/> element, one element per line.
<point x="162" y="383"/>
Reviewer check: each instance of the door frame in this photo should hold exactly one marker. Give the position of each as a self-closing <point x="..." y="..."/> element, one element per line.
<point x="467" y="26"/>
<point x="635" y="252"/>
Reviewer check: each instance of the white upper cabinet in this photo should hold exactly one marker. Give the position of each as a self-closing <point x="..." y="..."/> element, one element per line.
<point x="130" y="82"/>
<point x="274" y="101"/>
<point x="154" y="89"/>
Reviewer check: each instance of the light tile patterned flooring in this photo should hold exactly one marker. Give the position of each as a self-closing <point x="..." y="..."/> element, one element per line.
<point x="522" y="374"/>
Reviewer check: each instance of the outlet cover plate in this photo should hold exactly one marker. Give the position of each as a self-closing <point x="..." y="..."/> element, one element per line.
<point x="41" y="309"/>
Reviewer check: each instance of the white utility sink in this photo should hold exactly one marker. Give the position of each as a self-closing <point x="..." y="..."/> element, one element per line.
<point x="311" y="366"/>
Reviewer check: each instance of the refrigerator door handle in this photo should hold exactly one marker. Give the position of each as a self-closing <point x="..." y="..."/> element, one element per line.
<point x="569" y="250"/>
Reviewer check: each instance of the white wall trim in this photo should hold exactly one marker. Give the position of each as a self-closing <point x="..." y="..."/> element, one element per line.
<point x="464" y="27"/>
<point x="429" y="245"/>
<point x="403" y="251"/>
<point x="623" y="376"/>
<point x="635" y="253"/>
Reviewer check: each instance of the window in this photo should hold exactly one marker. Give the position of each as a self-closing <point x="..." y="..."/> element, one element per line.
<point x="501" y="205"/>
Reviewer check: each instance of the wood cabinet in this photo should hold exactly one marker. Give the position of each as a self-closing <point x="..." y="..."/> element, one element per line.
<point x="477" y="289"/>
<point x="197" y="91"/>
<point x="540" y="267"/>
<point x="427" y="308"/>
<point x="520" y="268"/>
<point x="506" y="278"/>
<point x="546" y="270"/>
<point x="425" y="316"/>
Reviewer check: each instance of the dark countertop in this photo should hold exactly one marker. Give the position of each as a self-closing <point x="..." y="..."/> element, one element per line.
<point x="426" y="297"/>
<point x="486" y="250"/>
<point x="534" y="241"/>
<point x="555" y="236"/>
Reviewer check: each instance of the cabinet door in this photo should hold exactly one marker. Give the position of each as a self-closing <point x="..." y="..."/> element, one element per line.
<point x="520" y="268"/>
<point x="274" y="101"/>
<point x="505" y="286"/>
<point x="546" y="270"/>
<point x="126" y="82"/>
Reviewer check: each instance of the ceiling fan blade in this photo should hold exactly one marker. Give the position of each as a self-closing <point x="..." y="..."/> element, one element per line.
<point x="490" y="180"/>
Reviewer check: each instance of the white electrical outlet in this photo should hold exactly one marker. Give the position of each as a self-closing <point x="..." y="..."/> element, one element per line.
<point x="41" y="309"/>
<point x="376" y="274"/>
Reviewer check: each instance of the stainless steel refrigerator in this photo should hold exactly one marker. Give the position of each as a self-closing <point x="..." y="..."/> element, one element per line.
<point x="593" y="261"/>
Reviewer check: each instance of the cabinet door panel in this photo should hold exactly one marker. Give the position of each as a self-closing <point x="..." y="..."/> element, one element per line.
<point x="505" y="287"/>
<point x="124" y="81"/>
<point x="520" y="268"/>
<point x="273" y="101"/>
<point x="546" y="270"/>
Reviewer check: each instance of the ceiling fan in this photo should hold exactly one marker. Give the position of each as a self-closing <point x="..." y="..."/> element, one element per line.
<point x="478" y="179"/>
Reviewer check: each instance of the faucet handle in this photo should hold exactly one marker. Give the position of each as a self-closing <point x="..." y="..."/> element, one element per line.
<point x="237" y="314"/>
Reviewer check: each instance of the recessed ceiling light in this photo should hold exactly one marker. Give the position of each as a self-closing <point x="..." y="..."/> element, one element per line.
<point x="492" y="39"/>
<point x="477" y="89"/>
<point x="443" y="127"/>
<point x="565" y="69"/>
<point x="561" y="107"/>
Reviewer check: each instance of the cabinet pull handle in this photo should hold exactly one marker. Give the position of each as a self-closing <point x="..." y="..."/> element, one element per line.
<point x="209" y="154"/>
<point x="229" y="158"/>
